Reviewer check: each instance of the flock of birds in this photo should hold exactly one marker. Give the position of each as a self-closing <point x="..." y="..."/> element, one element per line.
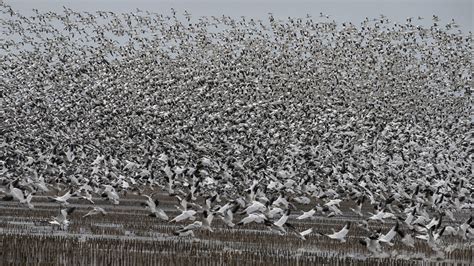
<point x="242" y="118"/>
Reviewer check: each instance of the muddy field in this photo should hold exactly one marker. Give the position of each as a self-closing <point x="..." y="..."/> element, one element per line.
<point x="128" y="236"/>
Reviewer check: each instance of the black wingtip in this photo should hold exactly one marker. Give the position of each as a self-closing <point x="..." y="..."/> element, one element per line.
<point x="290" y="226"/>
<point x="235" y="208"/>
<point x="400" y="232"/>
<point x="70" y="210"/>
<point x="442" y="231"/>
<point x="7" y="198"/>
<point x="267" y="222"/>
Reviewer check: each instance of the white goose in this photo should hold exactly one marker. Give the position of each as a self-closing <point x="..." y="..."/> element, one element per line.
<point x="185" y="215"/>
<point x="387" y="238"/>
<point x="61" y="219"/>
<point x="63" y="200"/>
<point x="96" y="210"/>
<point x="152" y="206"/>
<point x="341" y="235"/>
<point x="189" y="229"/>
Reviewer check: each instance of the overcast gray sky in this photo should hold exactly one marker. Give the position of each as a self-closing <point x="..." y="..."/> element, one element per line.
<point x="340" y="10"/>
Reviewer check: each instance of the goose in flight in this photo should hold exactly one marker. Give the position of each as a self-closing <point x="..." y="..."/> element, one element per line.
<point x="466" y="229"/>
<point x="63" y="200"/>
<point x="111" y="195"/>
<point x="253" y="218"/>
<point x="86" y="196"/>
<point x="256" y="206"/>
<point x="209" y="201"/>
<point x="409" y="219"/>
<point x="227" y="215"/>
<point x="341" y="235"/>
<point x="61" y="219"/>
<point x="282" y="221"/>
<point x="309" y="214"/>
<point x="18" y="194"/>
<point x="189" y="229"/>
<point x="302" y="200"/>
<point x="185" y="215"/>
<point x="333" y="202"/>
<point x="184" y="203"/>
<point x="407" y="239"/>
<point x="387" y="238"/>
<point x="373" y="244"/>
<point x="434" y="222"/>
<point x="380" y="215"/>
<point x="462" y="230"/>
<point x="152" y="206"/>
<point x="96" y="210"/>
<point x="302" y="235"/>
<point x="208" y="217"/>
<point x="273" y="212"/>
<point x="358" y="209"/>
<point x="432" y="237"/>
